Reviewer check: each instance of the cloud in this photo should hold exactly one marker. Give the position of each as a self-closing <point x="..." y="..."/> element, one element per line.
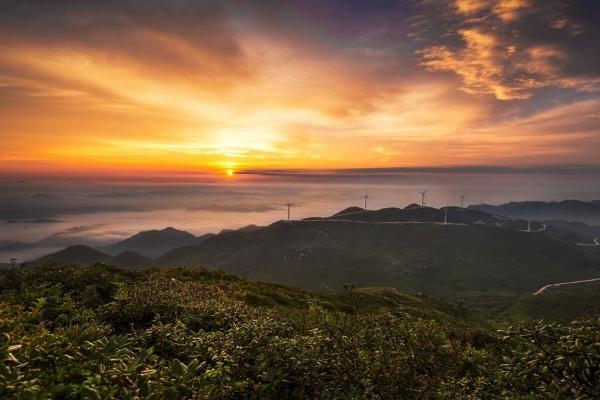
<point x="352" y="173"/>
<point x="34" y="221"/>
<point x="183" y="36"/>
<point x="505" y="10"/>
<point x="514" y="48"/>
<point x="176" y="88"/>
<point x="237" y="208"/>
<point x="79" y="229"/>
<point x="9" y="245"/>
<point x="90" y="235"/>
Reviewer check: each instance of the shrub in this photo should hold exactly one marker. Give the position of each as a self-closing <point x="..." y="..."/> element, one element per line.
<point x="168" y="334"/>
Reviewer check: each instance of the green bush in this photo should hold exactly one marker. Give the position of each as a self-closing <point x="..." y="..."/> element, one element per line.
<point x="104" y="333"/>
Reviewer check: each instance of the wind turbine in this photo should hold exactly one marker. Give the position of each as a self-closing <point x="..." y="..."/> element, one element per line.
<point x="366" y="196"/>
<point x="528" y="222"/>
<point x="462" y="200"/>
<point x="289" y="206"/>
<point x="445" y="215"/>
<point x="423" y="197"/>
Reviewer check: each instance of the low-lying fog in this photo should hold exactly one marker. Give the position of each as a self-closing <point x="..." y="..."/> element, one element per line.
<point x="38" y="217"/>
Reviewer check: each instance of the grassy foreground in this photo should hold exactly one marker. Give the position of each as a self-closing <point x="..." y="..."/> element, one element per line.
<point x="102" y="332"/>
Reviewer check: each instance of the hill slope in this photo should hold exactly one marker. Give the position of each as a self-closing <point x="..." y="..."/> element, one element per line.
<point x="430" y="258"/>
<point x="583" y="232"/>
<point x="416" y="213"/>
<point x="153" y="243"/>
<point x="79" y="254"/>
<point x="177" y="333"/>
<point x="562" y="303"/>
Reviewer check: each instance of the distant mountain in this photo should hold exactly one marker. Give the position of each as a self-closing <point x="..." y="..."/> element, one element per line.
<point x="247" y="228"/>
<point x="576" y="210"/>
<point x="416" y="213"/>
<point x="448" y="260"/>
<point x="584" y="230"/>
<point x="131" y="259"/>
<point x="202" y="238"/>
<point x="153" y="243"/>
<point x="81" y="255"/>
<point x="420" y="214"/>
<point x="349" y="210"/>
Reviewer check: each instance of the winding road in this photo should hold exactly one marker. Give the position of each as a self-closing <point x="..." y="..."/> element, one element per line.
<point x="543" y="289"/>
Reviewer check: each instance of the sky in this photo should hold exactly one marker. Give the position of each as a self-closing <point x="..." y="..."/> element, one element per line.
<point x="223" y="89"/>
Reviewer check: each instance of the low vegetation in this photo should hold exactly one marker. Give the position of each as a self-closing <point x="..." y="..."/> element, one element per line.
<point x="101" y="332"/>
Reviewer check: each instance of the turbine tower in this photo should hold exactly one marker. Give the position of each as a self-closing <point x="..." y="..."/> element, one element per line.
<point x="289" y="206"/>
<point x="445" y="215"/>
<point x="528" y="222"/>
<point x="462" y="200"/>
<point x="423" y="197"/>
<point x="366" y="196"/>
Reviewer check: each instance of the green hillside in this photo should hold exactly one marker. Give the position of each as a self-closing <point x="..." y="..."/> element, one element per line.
<point x="440" y="260"/>
<point x="413" y="213"/>
<point x="563" y="303"/>
<point x="101" y="332"/>
<point x="106" y="280"/>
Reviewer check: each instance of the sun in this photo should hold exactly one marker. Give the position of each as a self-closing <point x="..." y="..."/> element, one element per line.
<point x="229" y="172"/>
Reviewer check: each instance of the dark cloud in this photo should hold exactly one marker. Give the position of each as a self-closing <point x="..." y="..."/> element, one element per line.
<point x="34" y="221"/>
<point x="79" y="229"/>
<point x="471" y="169"/>
<point x="9" y="245"/>
<point x="28" y="212"/>
<point x="238" y="208"/>
<point x="512" y="49"/>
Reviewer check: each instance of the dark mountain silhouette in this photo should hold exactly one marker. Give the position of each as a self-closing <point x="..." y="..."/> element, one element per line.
<point x="349" y="210"/>
<point x="202" y="238"/>
<point x="431" y="258"/>
<point x="583" y="230"/>
<point x="576" y="210"/>
<point x="82" y="255"/>
<point x="153" y="243"/>
<point x="247" y="228"/>
<point x="424" y="214"/>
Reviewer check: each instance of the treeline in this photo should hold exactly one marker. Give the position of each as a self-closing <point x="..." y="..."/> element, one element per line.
<point x="102" y="333"/>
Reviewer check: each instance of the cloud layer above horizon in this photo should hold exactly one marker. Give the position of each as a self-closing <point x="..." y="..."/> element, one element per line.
<point x="119" y="86"/>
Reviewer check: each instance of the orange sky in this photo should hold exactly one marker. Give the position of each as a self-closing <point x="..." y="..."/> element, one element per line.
<point x="114" y="89"/>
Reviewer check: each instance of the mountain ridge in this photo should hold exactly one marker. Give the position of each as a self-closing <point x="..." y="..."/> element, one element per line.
<point x="152" y="243"/>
